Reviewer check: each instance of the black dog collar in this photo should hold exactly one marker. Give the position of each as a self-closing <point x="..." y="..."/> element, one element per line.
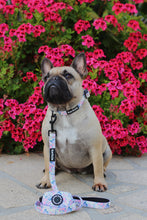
<point x="74" y="109"/>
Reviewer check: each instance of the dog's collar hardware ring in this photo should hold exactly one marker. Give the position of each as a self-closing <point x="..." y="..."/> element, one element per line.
<point x="56" y="202"/>
<point x="86" y="94"/>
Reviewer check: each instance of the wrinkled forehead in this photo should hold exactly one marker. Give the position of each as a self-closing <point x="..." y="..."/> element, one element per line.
<point x="61" y="70"/>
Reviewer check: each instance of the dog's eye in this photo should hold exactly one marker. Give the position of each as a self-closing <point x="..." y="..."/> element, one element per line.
<point x="47" y="76"/>
<point x="68" y="75"/>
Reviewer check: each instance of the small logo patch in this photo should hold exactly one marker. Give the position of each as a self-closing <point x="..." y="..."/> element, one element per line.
<point x="52" y="154"/>
<point x="57" y="199"/>
<point x="72" y="110"/>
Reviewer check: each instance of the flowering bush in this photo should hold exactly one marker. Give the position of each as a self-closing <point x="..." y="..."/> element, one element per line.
<point x="113" y="36"/>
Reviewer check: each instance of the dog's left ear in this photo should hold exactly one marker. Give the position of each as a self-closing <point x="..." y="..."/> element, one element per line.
<point x="46" y="65"/>
<point x="79" y="64"/>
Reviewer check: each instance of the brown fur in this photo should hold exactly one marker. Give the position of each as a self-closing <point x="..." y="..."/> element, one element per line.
<point x="79" y="137"/>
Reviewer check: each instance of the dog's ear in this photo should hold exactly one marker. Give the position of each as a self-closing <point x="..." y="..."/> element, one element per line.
<point x="79" y="64"/>
<point x="46" y="65"/>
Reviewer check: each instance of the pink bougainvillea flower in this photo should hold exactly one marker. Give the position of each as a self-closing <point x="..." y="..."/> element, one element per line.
<point x="145" y="37"/>
<point x="86" y="1"/>
<point x="29" y="142"/>
<point x="100" y="23"/>
<point x="1" y="131"/>
<point x="111" y="19"/>
<point x="12" y="32"/>
<point x="9" y="9"/>
<point x="2" y="4"/>
<point x="138" y="1"/>
<point x="126" y="57"/>
<point x="130" y="8"/>
<point x="30" y="75"/>
<point x="38" y="29"/>
<point x="100" y="89"/>
<point x="29" y="15"/>
<point x="134" y="25"/>
<point x="21" y="37"/>
<point x="118" y="7"/>
<point x="131" y="44"/>
<point x="127" y="106"/>
<point x="141" y="53"/>
<point x="52" y="16"/>
<point x="98" y="53"/>
<point x="1" y="106"/>
<point x="7" y="47"/>
<point x="136" y="65"/>
<point x="132" y="141"/>
<point x="123" y="142"/>
<point x="8" y="125"/>
<point x="68" y="50"/>
<point x="18" y="134"/>
<point x="11" y="103"/>
<point x="45" y="49"/>
<point x="134" y="128"/>
<point x="28" y="28"/>
<point x="114" y="92"/>
<point x="142" y="143"/>
<point x="143" y="76"/>
<point x="111" y="73"/>
<point x="81" y="25"/>
<point x="4" y="27"/>
<point x="88" y="41"/>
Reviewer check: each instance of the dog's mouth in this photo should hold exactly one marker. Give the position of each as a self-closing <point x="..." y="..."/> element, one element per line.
<point x="57" y="92"/>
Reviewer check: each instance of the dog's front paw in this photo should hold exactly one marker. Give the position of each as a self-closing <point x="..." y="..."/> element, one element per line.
<point x="100" y="186"/>
<point x="45" y="183"/>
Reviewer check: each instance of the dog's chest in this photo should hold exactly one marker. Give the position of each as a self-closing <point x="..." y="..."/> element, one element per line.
<point x="68" y="134"/>
<point x="72" y="147"/>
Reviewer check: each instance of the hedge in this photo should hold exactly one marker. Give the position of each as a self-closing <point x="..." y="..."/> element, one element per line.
<point x="113" y="36"/>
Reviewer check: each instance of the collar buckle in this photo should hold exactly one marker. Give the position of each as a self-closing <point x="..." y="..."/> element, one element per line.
<point x="86" y="94"/>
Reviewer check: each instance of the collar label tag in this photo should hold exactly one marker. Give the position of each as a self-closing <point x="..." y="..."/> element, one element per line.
<point x="70" y="111"/>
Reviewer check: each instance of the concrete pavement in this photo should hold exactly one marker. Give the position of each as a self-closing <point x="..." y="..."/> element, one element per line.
<point x="126" y="178"/>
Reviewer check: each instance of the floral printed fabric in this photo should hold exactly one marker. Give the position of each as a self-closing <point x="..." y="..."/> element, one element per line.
<point x="52" y="145"/>
<point x="57" y="202"/>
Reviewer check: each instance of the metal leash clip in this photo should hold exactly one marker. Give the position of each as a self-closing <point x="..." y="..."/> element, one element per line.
<point x="52" y="121"/>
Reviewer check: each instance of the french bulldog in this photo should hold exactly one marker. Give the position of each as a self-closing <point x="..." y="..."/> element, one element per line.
<point x="79" y="141"/>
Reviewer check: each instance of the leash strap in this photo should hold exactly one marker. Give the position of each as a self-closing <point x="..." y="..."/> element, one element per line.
<point x="91" y="202"/>
<point x="52" y="144"/>
<point x="57" y="202"/>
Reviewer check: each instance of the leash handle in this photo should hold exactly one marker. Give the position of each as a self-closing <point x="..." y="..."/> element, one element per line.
<point x="93" y="202"/>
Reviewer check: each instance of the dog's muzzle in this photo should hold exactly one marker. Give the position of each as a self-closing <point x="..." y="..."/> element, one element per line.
<point x="56" y="91"/>
<point x="53" y="90"/>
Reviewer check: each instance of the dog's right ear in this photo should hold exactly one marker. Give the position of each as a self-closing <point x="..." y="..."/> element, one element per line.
<point x="46" y="66"/>
<point x="79" y="64"/>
